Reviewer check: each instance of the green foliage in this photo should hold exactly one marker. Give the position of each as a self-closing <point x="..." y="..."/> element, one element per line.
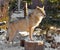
<point x="53" y="1"/>
<point x="28" y="1"/>
<point x="42" y="1"/>
<point x="53" y="11"/>
<point x="53" y="8"/>
<point x="12" y="5"/>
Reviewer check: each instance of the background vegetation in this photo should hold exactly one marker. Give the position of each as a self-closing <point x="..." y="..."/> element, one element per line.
<point x="52" y="9"/>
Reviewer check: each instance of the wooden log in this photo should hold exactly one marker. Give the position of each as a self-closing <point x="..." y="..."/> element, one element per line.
<point x="34" y="45"/>
<point x="22" y="43"/>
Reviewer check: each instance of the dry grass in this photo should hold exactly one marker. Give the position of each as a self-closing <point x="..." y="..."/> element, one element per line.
<point x="4" y="19"/>
<point x="3" y="27"/>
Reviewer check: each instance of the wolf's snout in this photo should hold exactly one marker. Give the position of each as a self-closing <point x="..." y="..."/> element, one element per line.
<point x="44" y="15"/>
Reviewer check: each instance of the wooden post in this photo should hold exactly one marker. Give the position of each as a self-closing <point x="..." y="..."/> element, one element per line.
<point x="22" y="43"/>
<point x="34" y="45"/>
<point x="25" y="9"/>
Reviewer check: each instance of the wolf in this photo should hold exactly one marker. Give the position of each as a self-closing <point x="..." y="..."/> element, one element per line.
<point x="28" y="25"/>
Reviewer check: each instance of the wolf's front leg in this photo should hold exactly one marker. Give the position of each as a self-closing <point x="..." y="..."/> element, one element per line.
<point x="31" y="34"/>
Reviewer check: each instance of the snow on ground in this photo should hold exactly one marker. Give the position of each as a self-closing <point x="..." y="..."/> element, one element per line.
<point x="6" y="47"/>
<point x="16" y="45"/>
<point x="17" y="14"/>
<point x="20" y="13"/>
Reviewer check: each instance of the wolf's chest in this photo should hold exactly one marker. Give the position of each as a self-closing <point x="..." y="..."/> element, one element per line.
<point x="38" y="22"/>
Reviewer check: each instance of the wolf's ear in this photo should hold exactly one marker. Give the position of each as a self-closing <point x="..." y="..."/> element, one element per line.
<point x="43" y="7"/>
<point x="37" y="7"/>
<point x="40" y="7"/>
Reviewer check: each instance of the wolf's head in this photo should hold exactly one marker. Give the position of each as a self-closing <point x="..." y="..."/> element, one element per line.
<point x="41" y="11"/>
